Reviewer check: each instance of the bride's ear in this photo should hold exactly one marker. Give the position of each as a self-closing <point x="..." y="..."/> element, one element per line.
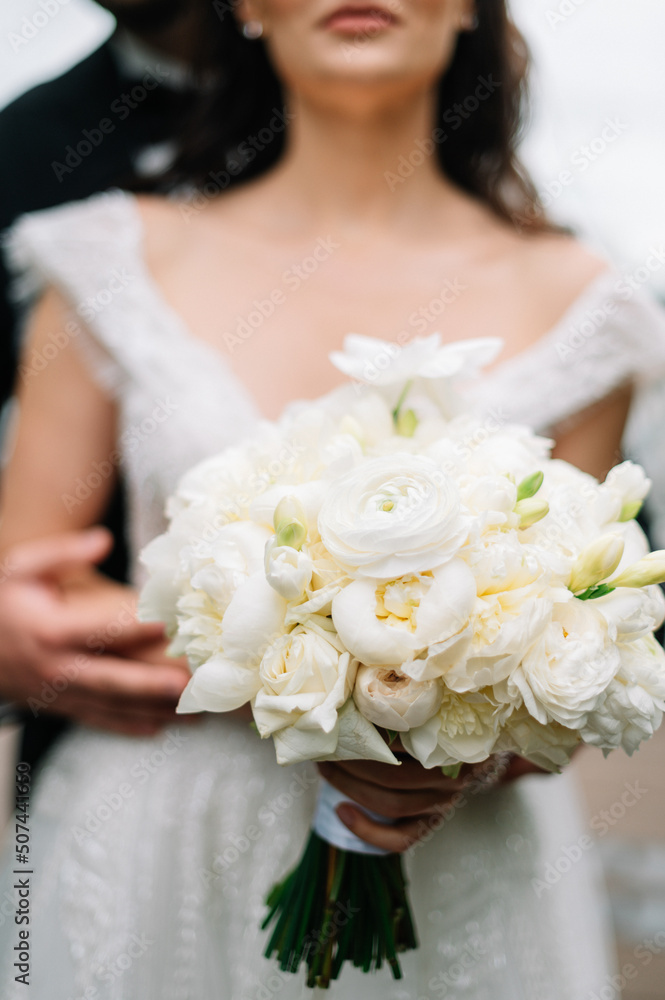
<point x="250" y="19"/>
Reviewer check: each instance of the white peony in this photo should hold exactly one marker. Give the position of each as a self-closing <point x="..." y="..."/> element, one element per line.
<point x="465" y="729"/>
<point x="512" y="609"/>
<point x="392" y="516"/>
<point x="631" y="709"/>
<point x="305" y="679"/>
<point x="394" y="701"/>
<point x="567" y="670"/>
<point x="390" y="623"/>
<point x="550" y="747"/>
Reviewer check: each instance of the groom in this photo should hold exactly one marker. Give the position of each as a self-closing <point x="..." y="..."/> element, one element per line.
<point x="107" y="121"/>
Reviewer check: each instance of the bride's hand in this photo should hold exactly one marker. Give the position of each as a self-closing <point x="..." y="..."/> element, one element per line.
<point x="418" y="799"/>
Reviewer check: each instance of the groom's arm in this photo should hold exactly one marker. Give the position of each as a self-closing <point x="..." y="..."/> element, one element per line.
<point x="57" y="646"/>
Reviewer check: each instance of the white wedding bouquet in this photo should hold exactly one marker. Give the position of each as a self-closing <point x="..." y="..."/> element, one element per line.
<point x="381" y="562"/>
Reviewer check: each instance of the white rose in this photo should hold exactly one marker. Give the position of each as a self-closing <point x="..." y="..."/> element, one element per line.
<point x="565" y="673"/>
<point x="390" y="623"/>
<point x="392" y="516"/>
<point x="394" y="701"/>
<point x="304" y="680"/>
<point x="465" y="729"/>
<point x="288" y="571"/>
<point x="632" y="708"/>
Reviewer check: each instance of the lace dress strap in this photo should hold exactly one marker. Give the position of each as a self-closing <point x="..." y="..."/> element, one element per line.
<point x="612" y="335"/>
<point x="92" y="252"/>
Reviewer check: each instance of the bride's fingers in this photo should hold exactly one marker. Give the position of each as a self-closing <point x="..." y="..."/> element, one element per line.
<point x="393" y="804"/>
<point x="396" y="839"/>
<point x="410" y="776"/>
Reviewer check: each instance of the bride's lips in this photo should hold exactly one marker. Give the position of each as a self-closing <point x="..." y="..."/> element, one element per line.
<point x="357" y="19"/>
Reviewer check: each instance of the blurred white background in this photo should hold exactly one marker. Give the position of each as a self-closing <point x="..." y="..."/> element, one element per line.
<point x="596" y="61"/>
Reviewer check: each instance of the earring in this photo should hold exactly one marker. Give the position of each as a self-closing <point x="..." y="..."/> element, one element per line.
<point x="252" y="30"/>
<point x="469" y="22"/>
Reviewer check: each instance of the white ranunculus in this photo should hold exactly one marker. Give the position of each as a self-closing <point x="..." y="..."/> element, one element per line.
<point x="390" y="623"/>
<point x="565" y="673"/>
<point x="394" y="701"/>
<point x="392" y="516"/>
<point x="288" y="571"/>
<point x="465" y="729"/>
<point x="382" y="362"/>
<point x="304" y="680"/>
<point x="631" y="709"/>
<point x="550" y="747"/>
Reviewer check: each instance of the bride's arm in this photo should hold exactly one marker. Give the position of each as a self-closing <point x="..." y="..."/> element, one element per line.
<point x="420" y="800"/>
<point x="53" y="604"/>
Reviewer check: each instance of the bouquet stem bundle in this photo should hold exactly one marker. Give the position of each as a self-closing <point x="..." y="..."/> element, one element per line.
<point x="339" y="906"/>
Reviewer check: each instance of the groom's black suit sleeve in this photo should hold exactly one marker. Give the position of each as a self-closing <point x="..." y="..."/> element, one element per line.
<point x="62" y="141"/>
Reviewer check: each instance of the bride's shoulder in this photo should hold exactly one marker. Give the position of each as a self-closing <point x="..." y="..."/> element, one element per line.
<point x="557" y="268"/>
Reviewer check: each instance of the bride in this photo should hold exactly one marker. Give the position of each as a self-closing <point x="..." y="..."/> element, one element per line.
<point x="385" y="199"/>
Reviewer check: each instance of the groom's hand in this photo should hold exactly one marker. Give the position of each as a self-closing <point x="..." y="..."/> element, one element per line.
<point x="70" y="643"/>
<point x="419" y="800"/>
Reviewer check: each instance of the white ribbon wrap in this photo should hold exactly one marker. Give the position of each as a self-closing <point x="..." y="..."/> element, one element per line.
<point x="330" y="828"/>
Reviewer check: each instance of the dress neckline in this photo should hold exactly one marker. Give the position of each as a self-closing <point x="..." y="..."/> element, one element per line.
<point x="599" y="286"/>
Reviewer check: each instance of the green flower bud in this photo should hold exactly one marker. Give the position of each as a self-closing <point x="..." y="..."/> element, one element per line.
<point x="598" y="561"/>
<point x="643" y="573"/>
<point x="406" y="423"/>
<point x="530" y="486"/>
<point x="290" y="523"/>
<point x="531" y="511"/>
<point x="630" y="510"/>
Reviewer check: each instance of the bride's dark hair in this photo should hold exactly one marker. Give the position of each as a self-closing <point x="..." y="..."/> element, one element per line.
<point x="487" y="77"/>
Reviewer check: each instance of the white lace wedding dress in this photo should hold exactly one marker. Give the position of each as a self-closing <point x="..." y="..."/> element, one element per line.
<point x="152" y="857"/>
